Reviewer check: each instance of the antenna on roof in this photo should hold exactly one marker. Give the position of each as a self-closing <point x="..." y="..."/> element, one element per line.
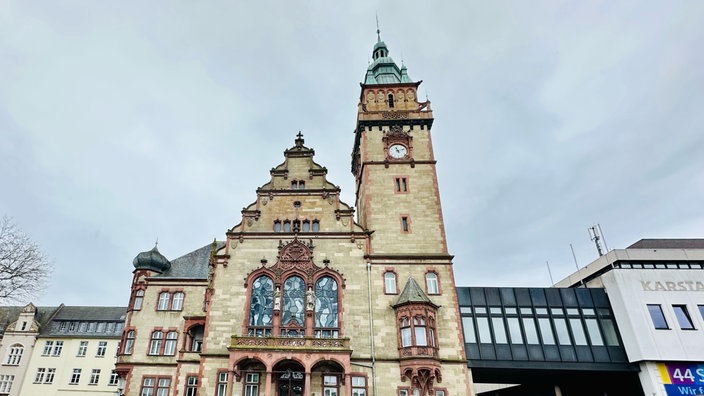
<point x="595" y="235"/>
<point x="552" y="282"/>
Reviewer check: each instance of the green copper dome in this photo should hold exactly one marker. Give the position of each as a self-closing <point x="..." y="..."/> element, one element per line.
<point x="384" y="70"/>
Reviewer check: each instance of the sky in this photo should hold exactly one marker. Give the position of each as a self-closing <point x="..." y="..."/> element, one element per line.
<point x="124" y="122"/>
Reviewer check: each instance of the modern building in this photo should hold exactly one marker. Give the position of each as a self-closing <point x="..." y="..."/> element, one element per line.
<point x="59" y="350"/>
<point x="656" y="290"/>
<point x="301" y="297"/>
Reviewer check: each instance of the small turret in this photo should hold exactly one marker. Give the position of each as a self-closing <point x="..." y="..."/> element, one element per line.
<point x="151" y="260"/>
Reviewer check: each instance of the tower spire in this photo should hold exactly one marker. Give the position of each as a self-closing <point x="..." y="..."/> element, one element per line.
<point x="378" y="32"/>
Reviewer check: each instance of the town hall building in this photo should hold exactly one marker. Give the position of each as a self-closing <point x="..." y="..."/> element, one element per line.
<point x="303" y="296"/>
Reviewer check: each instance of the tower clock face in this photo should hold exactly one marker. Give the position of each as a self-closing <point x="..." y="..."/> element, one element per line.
<point x="398" y="151"/>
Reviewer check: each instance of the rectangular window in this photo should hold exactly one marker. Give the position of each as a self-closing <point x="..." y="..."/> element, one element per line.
<point x="47" y="348"/>
<point x="701" y="310"/>
<point x="403" y="392"/>
<point x="683" y="317"/>
<point x="499" y="330"/>
<point x="401" y="184"/>
<point x="593" y="331"/>
<point x="546" y="331"/>
<point x="222" y="384"/>
<point x="163" y="304"/>
<point x="657" y="316"/>
<point x="531" y="331"/>
<point x="484" y="332"/>
<point x="101" y="327"/>
<point x="610" y="332"/>
<point x="251" y="387"/>
<point x="389" y="282"/>
<point x="431" y="283"/>
<point x="468" y="327"/>
<point x="514" y="329"/>
<point x="359" y="386"/>
<point x="75" y="377"/>
<point x="50" y="375"/>
<point x="39" y="378"/>
<point x="563" y="335"/>
<point x="155" y="386"/>
<point x="329" y="385"/>
<point x="578" y="331"/>
<point x="6" y="383"/>
<point x="15" y="355"/>
<point x="57" y="348"/>
<point x="94" y="377"/>
<point x="406" y="336"/>
<point x="82" y="348"/>
<point x="113" y="378"/>
<point x="177" y="301"/>
<point x="102" y="346"/>
<point x="191" y="386"/>
<point x="404" y="223"/>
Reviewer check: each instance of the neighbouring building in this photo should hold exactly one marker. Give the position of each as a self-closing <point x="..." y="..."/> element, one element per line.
<point x="301" y="297"/>
<point x="59" y="350"/>
<point x="656" y="290"/>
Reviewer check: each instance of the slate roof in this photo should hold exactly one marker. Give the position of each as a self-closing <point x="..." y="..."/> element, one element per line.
<point x="668" y="244"/>
<point x="10" y="314"/>
<point x="193" y="265"/>
<point x="95" y="314"/>
<point x="412" y="293"/>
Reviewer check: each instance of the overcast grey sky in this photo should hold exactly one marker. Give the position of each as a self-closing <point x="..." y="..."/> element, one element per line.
<point x="122" y="122"/>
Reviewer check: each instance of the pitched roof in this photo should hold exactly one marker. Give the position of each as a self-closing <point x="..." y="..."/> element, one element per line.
<point x="10" y="314"/>
<point x="412" y="293"/>
<point x="193" y="265"/>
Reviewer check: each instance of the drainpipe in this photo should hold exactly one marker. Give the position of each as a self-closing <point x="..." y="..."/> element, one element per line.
<point x="371" y="325"/>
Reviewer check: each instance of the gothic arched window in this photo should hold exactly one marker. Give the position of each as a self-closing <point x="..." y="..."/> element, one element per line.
<point x="261" y="306"/>
<point x="293" y="311"/>
<point x="326" y="324"/>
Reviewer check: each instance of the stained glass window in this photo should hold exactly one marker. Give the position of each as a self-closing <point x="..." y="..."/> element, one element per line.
<point x="294" y="301"/>
<point x="326" y="302"/>
<point x="262" y="302"/>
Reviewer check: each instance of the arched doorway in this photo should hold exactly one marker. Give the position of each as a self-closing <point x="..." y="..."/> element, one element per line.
<point x="289" y="379"/>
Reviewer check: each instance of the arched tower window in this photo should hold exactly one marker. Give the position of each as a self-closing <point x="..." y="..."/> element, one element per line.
<point x="391" y="101"/>
<point x="293" y="312"/>
<point x="261" y="306"/>
<point x="326" y="322"/>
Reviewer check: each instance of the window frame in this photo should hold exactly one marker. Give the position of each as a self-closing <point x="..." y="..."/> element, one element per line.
<point x="191" y="385"/>
<point x="170" y="343"/>
<point x="75" y="376"/>
<point x="6" y="381"/>
<point x="156" y="344"/>
<point x="14" y="355"/>
<point x="359" y="390"/>
<point x="250" y="387"/>
<point x="684" y="319"/>
<point x="657" y="317"/>
<point x="102" y="349"/>
<point x="221" y="383"/>
<point x="405" y="223"/>
<point x="130" y="336"/>
<point x="138" y="300"/>
<point x="58" y="347"/>
<point x="180" y="297"/>
<point x="94" y="377"/>
<point x="394" y="279"/>
<point x="400" y="184"/>
<point x="432" y="279"/>
<point x="331" y="384"/>
<point x="163" y="301"/>
<point x="82" y="349"/>
<point x="155" y="386"/>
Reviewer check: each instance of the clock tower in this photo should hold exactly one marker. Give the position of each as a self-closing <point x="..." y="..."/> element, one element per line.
<point x="398" y="203"/>
<point x="393" y="162"/>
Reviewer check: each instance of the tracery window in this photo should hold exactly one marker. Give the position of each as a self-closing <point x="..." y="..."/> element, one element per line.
<point x="326" y="303"/>
<point x="261" y="306"/>
<point x="294" y="294"/>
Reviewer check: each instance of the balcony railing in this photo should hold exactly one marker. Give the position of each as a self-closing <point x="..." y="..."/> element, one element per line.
<point x="290" y="343"/>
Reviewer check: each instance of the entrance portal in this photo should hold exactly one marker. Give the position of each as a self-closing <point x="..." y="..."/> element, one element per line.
<point x="290" y="383"/>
